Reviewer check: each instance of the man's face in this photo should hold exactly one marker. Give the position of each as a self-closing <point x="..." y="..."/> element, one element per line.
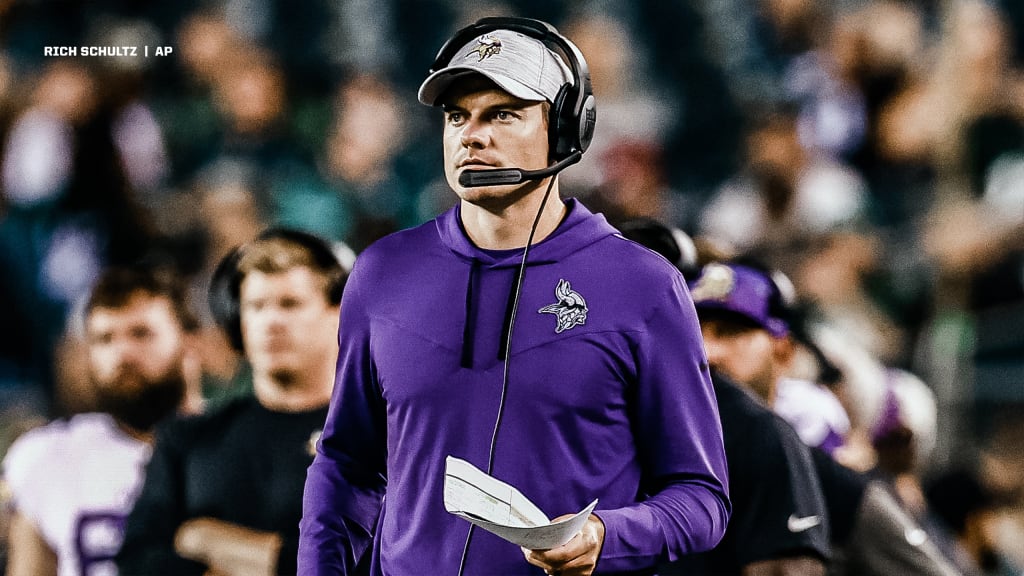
<point x="136" y="359"/>
<point x="486" y="128"/>
<point x="743" y="352"/>
<point x="287" y="323"/>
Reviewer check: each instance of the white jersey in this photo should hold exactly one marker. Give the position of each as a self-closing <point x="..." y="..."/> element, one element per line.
<point x="813" y="411"/>
<point x="76" y="480"/>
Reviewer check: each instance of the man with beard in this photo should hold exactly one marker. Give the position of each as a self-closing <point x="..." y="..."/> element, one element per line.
<point x="72" y="482"/>
<point x="223" y="491"/>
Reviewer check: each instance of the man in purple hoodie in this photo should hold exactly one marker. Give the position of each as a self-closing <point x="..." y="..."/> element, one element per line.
<point x="576" y="376"/>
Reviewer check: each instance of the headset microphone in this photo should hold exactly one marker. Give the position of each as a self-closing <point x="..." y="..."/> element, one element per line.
<point x="504" y="176"/>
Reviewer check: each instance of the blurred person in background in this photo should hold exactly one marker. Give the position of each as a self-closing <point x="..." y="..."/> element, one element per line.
<point x="634" y="108"/>
<point x="233" y="109"/>
<point x="972" y="238"/>
<point x="185" y="103"/>
<point x="880" y="52"/>
<point x="251" y="98"/>
<point x="365" y="193"/>
<point x="72" y="482"/>
<point x="744" y="314"/>
<point x="218" y="213"/>
<point x="969" y="509"/>
<point x="70" y="209"/>
<point x="779" y="524"/>
<point x="688" y="54"/>
<point x="304" y="41"/>
<point x="784" y="198"/>
<point x="999" y="467"/>
<point x="747" y="335"/>
<point x="633" y="185"/>
<point x="904" y="438"/>
<point x="845" y="276"/>
<point x="223" y="490"/>
<point x="127" y="107"/>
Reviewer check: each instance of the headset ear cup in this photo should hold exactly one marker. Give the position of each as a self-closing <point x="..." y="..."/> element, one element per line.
<point x="784" y="298"/>
<point x="223" y="298"/>
<point x="561" y="135"/>
<point x="586" y="122"/>
<point x="570" y="130"/>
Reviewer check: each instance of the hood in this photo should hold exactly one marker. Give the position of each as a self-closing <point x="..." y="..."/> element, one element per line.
<point x="579" y="229"/>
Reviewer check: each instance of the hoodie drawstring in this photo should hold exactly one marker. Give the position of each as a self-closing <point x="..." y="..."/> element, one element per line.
<point x="472" y="312"/>
<point x="467" y="329"/>
<point x="506" y="324"/>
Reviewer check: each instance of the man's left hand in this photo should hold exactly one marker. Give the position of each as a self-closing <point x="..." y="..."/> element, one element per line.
<point x="577" y="557"/>
<point x="228" y="549"/>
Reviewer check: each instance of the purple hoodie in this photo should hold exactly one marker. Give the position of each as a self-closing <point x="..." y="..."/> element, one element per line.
<point x="609" y="397"/>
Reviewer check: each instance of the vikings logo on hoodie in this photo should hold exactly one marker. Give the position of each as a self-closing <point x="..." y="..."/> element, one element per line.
<point x="571" y="309"/>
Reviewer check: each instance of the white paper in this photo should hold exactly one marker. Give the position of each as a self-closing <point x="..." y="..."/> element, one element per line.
<point x="493" y="505"/>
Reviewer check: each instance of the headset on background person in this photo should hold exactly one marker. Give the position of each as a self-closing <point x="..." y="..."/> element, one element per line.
<point x="679" y="248"/>
<point x="675" y="245"/>
<point x="226" y="281"/>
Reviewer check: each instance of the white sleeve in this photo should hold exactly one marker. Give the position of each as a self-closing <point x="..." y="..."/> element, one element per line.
<point x="24" y="468"/>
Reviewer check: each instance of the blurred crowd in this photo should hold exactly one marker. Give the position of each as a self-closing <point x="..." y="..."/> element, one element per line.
<point x="870" y="150"/>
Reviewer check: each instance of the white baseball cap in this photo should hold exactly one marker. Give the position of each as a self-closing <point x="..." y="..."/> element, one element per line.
<point x="519" y="64"/>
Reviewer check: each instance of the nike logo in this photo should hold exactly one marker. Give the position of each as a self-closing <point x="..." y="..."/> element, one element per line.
<point x="796" y="524"/>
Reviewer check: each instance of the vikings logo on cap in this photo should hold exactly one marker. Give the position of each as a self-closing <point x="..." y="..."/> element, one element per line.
<point x="741" y="290"/>
<point x="487" y="46"/>
<point x="716" y="283"/>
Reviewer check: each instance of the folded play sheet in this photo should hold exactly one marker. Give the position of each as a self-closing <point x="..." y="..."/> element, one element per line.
<point x="495" y="506"/>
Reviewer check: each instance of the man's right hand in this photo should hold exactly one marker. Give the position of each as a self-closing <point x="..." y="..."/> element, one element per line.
<point x="577" y="557"/>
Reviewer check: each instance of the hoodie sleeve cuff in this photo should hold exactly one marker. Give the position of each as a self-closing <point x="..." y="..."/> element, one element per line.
<point x="628" y="543"/>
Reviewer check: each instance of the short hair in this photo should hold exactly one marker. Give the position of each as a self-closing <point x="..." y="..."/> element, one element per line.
<point x="117" y="285"/>
<point x="274" y="254"/>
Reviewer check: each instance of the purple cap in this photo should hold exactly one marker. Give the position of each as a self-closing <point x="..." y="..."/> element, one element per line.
<point x="740" y="290"/>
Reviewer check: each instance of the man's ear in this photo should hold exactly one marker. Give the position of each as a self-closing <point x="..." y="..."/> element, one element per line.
<point x="783" y="352"/>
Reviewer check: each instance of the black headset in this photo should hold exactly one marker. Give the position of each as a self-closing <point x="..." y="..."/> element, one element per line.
<point x="675" y="245"/>
<point x="226" y="281"/>
<point x="574" y="111"/>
